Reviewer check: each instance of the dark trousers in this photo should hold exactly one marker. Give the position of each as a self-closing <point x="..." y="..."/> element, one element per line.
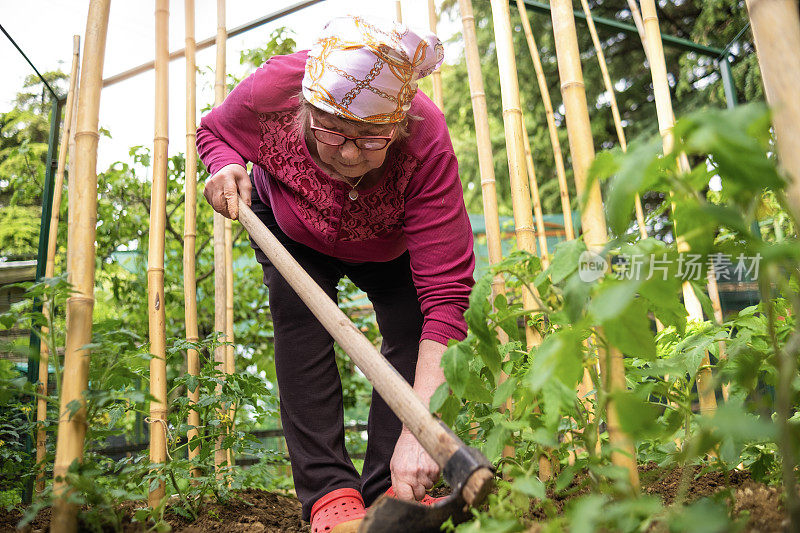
<point x="308" y="378"/>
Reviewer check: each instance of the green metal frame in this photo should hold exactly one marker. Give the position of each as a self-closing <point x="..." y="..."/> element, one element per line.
<point x="720" y="55"/>
<point x="57" y="103"/>
<point x="44" y="224"/>
<point x="676" y="42"/>
<point x="41" y="258"/>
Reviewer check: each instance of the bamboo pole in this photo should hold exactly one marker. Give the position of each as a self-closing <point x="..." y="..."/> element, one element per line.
<point x="666" y="121"/>
<point x="220" y="273"/>
<point x="713" y="293"/>
<point x="399" y="10"/>
<point x="72" y="429"/>
<point x="71" y="162"/>
<point x="155" y="255"/>
<point x="484" y="141"/>
<point x="558" y="157"/>
<point x="512" y="121"/>
<point x="535" y="199"/>
<point x="485" y="164"/>
<point x="623" y="143"/>
<point x="230" y="362"/>
<point x="776" y="31"/>
<point x="436" y="77"/>
<point x="190" y="226"/>
<point x="586" y="385"/>
<point x="50" y="266"/>
<point x="515" y="149"/>
<point x="592" y="218"/>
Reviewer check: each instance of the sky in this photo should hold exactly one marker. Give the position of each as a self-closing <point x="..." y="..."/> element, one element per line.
<point x="44" y="30"/>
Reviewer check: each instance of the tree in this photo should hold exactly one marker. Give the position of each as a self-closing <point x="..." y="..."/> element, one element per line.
<point x="24" y="134"/>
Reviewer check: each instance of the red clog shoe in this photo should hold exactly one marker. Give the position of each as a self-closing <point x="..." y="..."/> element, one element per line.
<point x="339" y="511"/>
<point x="427" y="500"/>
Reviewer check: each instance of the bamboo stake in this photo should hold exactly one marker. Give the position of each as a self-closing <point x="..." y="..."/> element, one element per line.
<point x="623" y="143"/>
<point x="601" y="59"/>
<point x="50" y="266"/>
<point x="399" y="10"/>
<point x="586" y="385"/>
<point x="713" y="293"/>
<point x="72" y="429"/>
<point x="535" y="199"/>
<point x="71" y="162"/>
<point x="666" y="121"/>
<point x="230" y="363"/>
<point x="220" y="273"/>
<point x="558" y="157"/>
<point x="190" y="226"/>
<point x="515" y="149"/>
<point x="484" y="141"/>
<point x="485" y="163"/>
<point x="436" y="77"/>
<point x="512" y="120"/>
<point x="155" y="255"/>
<point x="776" y="31"/>
<point x="592" y="218"/>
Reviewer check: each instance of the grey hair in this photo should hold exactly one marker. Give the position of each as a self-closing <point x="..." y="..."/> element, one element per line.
<point x="305" y="110"/>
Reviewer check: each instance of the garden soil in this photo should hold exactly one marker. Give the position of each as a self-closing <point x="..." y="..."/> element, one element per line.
<point x="257" y="511"/>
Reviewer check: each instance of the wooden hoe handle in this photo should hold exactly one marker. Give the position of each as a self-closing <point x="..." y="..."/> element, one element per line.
<point x="441" y="443"/>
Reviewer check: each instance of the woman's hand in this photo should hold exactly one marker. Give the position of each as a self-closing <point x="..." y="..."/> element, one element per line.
<point x="223" y="189"/>
<point x="413" y="470"/>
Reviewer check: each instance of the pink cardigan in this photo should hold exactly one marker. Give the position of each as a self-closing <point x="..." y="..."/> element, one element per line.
<point x="418" y="205"/>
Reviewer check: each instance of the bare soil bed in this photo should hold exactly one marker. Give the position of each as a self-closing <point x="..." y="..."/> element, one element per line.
<point x="256" y="511"/>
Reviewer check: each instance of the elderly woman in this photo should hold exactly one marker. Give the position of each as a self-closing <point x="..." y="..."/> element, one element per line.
<point x="354" y="172"/>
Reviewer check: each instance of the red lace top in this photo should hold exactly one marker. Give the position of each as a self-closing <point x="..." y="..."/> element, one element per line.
<point x="417" y="206"/>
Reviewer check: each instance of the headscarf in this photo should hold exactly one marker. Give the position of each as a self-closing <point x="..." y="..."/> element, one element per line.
<point x="367" y="70"/>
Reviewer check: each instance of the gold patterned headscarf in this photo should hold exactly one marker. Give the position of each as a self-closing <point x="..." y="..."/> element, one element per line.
<point x="368" y="71"/>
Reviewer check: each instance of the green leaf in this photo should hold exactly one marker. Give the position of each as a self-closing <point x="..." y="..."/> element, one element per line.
<point x="560" y="356"/>
<point x="495" y="441"/>
<point x="630" y="332"/>
<point x="476" y="317"/>
<point x="612" y="299"/>
<point x="449" y="410"/>
<point x="565" y="259"/>
<point x="703" y="516"/>
<point x="530" y="486"/>
<point x="565" y="478"/>
<point x="476" y="391"/>
<point x="638" y="168"/>
<point x="455" y="364"/>
<point x="438" y="398"/>
<point x="664" y="297"/>
<point x="586" y="513"/>
<point x="504" y="391"/>
<point x="637" y="417"/>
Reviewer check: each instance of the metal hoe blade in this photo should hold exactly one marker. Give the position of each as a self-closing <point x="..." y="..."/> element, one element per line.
<point x="390" y="515"/>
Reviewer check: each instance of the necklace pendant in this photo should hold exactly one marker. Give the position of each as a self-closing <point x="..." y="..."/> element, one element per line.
<point x="353" y="194"/>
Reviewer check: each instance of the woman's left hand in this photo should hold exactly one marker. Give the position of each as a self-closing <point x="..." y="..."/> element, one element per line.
<point x="413" y="470"/>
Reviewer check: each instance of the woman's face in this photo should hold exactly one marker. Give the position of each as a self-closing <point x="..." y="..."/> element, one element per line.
<point x="348" y="160"/>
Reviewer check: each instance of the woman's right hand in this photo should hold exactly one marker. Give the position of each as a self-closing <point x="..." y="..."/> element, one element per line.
<point x="223" y="189"/>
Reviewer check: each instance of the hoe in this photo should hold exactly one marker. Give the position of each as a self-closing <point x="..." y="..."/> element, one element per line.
<point x="465" y="469"/>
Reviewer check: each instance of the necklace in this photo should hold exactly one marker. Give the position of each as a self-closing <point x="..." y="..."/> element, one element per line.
<point x="353" y="194"/>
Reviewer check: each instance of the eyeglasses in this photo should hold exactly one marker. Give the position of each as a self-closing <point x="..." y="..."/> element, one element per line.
<point x="334" y="138"/>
